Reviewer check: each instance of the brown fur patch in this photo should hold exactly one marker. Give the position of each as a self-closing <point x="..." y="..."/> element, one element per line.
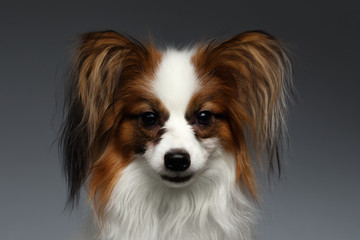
<point x="245" y="80"/>
<point x="128" y="137"/>
<point x="114" y="87"/>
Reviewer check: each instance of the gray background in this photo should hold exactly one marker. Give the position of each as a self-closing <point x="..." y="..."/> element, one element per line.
<point x="319" y="198"/>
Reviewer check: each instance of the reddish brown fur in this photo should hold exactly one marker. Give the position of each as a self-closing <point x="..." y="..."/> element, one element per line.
<point x="113" y="62"/>
<point x="252" y="71"/>
<point x="128" y="137"/>
<point x="228" y="123"/>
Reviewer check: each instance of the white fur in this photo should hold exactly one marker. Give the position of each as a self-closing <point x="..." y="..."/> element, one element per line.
<point x="175" y="83"/>
<point x="176" y="80"/>
<point x="211" y="205"/>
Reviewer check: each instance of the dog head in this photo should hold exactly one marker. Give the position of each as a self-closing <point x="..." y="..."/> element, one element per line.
<point x="173" y="109"/>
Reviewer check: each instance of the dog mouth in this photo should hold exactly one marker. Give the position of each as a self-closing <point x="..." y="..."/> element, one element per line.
<point x="177" y="179"/>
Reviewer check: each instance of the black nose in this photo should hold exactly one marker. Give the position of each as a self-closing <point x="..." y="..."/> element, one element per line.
<point x="177" y="160"/>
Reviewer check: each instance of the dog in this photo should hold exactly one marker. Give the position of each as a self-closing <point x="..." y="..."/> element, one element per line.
<point x="167" y="141"/>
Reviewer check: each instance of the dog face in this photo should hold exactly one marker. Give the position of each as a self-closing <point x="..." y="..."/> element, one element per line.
<point x="173" y="109"/>
<point x="177" y="122"/>
<point x="187" y="128"/>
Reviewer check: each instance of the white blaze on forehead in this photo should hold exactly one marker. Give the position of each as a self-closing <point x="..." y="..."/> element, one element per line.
<point x="176" y="80"/>
<point x="175" y="83"/>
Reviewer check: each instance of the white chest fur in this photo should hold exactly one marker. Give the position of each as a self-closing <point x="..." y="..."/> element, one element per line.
<point x="213" y="207"/>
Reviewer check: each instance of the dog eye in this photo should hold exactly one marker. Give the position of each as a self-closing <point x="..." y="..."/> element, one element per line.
<point x="149" y="119"/>
<point x="204" y="117"/>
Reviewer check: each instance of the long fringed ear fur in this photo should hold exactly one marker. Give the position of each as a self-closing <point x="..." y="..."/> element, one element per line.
<point x="264" y="76"/>
<point x="259" y="65"/>
<point x="102" y="60"/>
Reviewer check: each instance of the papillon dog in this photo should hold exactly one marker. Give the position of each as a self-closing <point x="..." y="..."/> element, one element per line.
<point x="167" y="141"/>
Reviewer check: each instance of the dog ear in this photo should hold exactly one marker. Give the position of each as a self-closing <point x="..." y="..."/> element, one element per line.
<point x="102" y="61"/>
<point x="258" y="69"/>
<point x="260" y="65"/>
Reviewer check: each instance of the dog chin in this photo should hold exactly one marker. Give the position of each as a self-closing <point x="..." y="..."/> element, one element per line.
<point x="177" y="181"/>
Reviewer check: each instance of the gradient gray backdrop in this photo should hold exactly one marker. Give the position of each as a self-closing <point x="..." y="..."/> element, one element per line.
<point x="319" y="198"/>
